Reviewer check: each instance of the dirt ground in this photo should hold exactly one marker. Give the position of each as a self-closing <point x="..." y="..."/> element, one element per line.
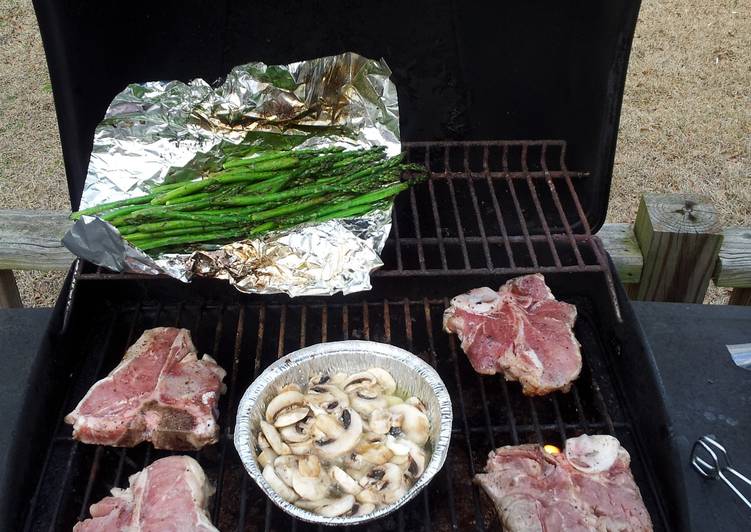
<point x="685" y="125"/>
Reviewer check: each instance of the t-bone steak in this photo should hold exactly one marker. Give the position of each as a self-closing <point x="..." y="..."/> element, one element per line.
<point x="520" y="331"/>
<point x="589" y="487"/>
<point x="170" y="495"/>
<point x="160" y="392"/>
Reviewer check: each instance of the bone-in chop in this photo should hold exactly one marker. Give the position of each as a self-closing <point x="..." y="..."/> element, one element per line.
<point x="589" y="487"/>
<point x="520" y="331"/>
<point x="160" y="392"/>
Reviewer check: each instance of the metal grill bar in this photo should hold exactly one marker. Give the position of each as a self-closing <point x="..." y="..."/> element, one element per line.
<point x="451" y="500"/>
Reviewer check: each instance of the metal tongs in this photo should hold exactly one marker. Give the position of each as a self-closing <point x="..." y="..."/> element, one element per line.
<point x="711" y="460"/>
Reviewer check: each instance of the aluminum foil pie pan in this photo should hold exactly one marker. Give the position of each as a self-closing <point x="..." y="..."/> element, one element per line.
<point x="412" y="375"/>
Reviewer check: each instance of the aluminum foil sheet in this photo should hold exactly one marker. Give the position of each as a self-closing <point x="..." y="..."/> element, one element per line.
<point x="412" y="375"/>
<point x="158" y="131"/>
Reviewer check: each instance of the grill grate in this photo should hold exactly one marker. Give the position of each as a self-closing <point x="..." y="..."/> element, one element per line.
<point x="501" y="207"/>
<point x="488" y="412"/>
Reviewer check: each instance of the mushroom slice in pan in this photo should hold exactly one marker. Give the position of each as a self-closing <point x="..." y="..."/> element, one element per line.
<point x="346" y="483"/>
<point x="414" y="401"/>
<point x="310" y="466"/>
<point x="267" y="456"/>
<point x="282" y="401"/>
<point x="367" y="399"/>
<point x="385" y="379"/>
<point x="327" y="427"/>
<point x="340" y="506"/>
<point x="417" y="460"/>
<point x="326" y="398"/>
<point x="263" y="443"/>
<point x="398" y="446"/>
<point x="301" y="449"/>
<point x="278" y="485"/>
<point x="374" y="452"/>
<point x="291" y="415"/>
<point x="356" y="381"/>
<point x="362" y="509"/>
<point x="380" y="421"/>
<point x="284" y="467"/>
<point x="299" y="432"/>
<point x="309" y="487"/>
<point x="346" y="441"/>
<point x="414" y="424"/>
<point x="274" y="439"/>
<point x="382" y="478"/>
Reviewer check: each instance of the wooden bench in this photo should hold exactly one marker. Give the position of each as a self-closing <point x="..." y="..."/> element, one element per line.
<point x="685" y="246"/>
<point x="30" y="240"/>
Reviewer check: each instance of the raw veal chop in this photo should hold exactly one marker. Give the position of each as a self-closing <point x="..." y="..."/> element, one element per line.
<point x="589" y="487"/>
<point x="170" y="495"/>
<point x="521" y="331"/>
<point x="160" y="392"/>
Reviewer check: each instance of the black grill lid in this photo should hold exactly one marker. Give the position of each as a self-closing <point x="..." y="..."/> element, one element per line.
<point x="533" y="69"/>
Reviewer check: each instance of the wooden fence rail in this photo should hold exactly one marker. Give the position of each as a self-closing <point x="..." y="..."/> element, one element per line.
<point x="670" y="253"/>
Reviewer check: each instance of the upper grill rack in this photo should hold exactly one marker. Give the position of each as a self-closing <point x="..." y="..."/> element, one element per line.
<point x="500" y="207"/>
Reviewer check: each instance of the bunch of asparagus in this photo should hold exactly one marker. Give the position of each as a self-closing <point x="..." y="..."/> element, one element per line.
<point x="259" y="192"/>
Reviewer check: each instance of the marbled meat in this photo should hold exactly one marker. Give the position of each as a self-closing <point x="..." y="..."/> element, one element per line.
<point x="589" y="487"/>
<point x="520" y="331"/>
<point x="170" y="495"/>
<point x="160" y="392"/>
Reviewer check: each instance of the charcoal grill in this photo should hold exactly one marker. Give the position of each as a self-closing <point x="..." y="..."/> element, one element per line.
<point x="490" y="210"/>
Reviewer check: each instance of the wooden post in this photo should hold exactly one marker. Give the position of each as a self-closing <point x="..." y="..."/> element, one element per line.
<point x="680" y="236"/>
<point x="9" y="295"/>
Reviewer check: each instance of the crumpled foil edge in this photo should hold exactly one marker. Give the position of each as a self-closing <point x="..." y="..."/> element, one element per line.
<point x="153" y="128"/>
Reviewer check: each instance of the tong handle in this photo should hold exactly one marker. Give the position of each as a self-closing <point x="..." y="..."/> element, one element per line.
<point x="719" y="466"/>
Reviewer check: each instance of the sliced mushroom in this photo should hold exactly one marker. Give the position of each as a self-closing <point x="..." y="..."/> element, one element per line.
<point x="374" y="452"/>
<point x="363" y="379"/>
<point x="380" y="421"/>
<point x="384" y="477"/>
<point x="326" y="398"/>
<point x="417" y="460"/>
<point x="385" y="379"/>
<point x="278" y="485"/>
<point x="414" y="401"/>
<point x="263" y="443"/>
<point x="274" y="439"/>
<point x="299" y="432"/>
<point x="391" y="496"/>
<point x="327" y="427"/>
<point x="312" y="505"/>
<point x="320" y="378"/>
<point x="266" y="457"/>
<point x="302" y="448"/>
<point x="366" y="400"/>
<point x="311" y="488"/>
<point x="398" y="446"/>
<point x="368" y="496"/>
<point x="291" y="415"/>
<point x="346" y="441"/>
<point x="362" y="509"/>
<point x="284" y="467"/>
<point x="414" y="425"/>
<point x="345" y="482"/>
<point x="310" y="466"/>
<point x="282" y="401"/>
<point x="340" y="506"/>
<point x="402" y="461"/>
